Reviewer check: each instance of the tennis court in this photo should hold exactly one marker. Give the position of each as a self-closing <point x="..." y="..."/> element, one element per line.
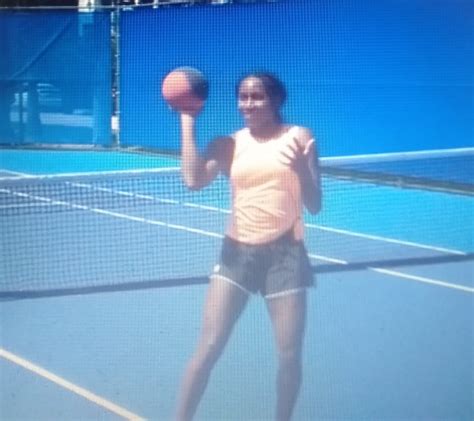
<point x="104" y="277"/>
<point x="105" y="254"/>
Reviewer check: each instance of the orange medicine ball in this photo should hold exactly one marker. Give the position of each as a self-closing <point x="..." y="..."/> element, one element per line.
<point x="185" y="89"/>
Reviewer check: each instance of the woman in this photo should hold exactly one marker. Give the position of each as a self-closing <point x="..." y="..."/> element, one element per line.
<point x="273" y="171"/>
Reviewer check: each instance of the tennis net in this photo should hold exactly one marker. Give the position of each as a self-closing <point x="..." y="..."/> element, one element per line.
<point x="450" y="170"/>
<point x="121" y="230"/>
<point x="110" y="230"/>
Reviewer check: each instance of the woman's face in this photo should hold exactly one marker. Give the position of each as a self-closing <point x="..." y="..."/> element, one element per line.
<point x="255" y="104"/>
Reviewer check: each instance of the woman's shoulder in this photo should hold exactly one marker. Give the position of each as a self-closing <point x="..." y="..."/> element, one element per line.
<point x="300" y="132"/>
<point x="220" y="148"/>
<point x="240" y="134"/>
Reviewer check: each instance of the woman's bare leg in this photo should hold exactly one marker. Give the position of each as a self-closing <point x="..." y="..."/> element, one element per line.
<point x="224" y="304"/>
<point x="288" y="314"/>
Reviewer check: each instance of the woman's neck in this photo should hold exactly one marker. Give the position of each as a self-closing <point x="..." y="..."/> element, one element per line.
<point x="267" y="132"/>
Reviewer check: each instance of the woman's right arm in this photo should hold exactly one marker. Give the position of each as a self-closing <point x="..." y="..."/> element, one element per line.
<point x="198" y="171"/>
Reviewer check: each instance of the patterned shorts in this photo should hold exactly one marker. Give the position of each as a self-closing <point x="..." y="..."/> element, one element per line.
<point x="273" y="269"/>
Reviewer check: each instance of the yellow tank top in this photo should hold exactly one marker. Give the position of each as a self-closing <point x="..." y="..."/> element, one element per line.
<point x="266" y="194"/>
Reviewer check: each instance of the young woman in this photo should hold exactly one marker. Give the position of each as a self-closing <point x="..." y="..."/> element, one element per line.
<point x="273" y="171"/>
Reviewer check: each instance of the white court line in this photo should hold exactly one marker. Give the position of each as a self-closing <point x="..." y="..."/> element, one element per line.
<point x="398" y="274"/>
<point x="92" y="397"/>
<point x="328" y="259"/>
<point x="65" y="176"/>
<point x="112" y="213"/>
<point x="313" y="226"/>
<point x="422" y="279"/>
<point x="216" y="235"/>
<point x="23" y="205"/>
<point x="391" y="156"/>
<point x="386" y="239"/>
<point x="20" y="174"/>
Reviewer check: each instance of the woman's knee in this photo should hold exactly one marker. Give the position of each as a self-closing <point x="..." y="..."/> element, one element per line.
<point x="207" y="354"/>
<point x="289" y="356"/>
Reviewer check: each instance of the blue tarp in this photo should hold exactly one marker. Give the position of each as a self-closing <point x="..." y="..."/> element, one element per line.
<point x="55" y="77"/>
<point x="367" y="76"/>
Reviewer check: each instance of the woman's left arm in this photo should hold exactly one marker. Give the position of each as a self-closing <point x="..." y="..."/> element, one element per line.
<point x="309" y="171"/>
<point x="301" y="153"/>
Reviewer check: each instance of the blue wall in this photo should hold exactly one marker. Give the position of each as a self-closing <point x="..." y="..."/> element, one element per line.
<point x="366" y="75"/>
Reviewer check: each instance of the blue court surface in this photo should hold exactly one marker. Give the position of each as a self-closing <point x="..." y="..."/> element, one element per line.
<point x="102" y="286"/>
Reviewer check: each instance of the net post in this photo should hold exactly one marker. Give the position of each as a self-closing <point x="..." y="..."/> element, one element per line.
<point x="115" y="49"/>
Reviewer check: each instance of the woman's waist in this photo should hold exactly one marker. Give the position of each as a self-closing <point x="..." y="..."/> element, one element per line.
<point x="263" y="227"/>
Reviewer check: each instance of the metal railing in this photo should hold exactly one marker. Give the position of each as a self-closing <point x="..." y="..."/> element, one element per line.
<point x="90" y="5"/>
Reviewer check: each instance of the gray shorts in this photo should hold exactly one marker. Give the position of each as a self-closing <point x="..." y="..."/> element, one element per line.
<point x="273" y="269"/>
